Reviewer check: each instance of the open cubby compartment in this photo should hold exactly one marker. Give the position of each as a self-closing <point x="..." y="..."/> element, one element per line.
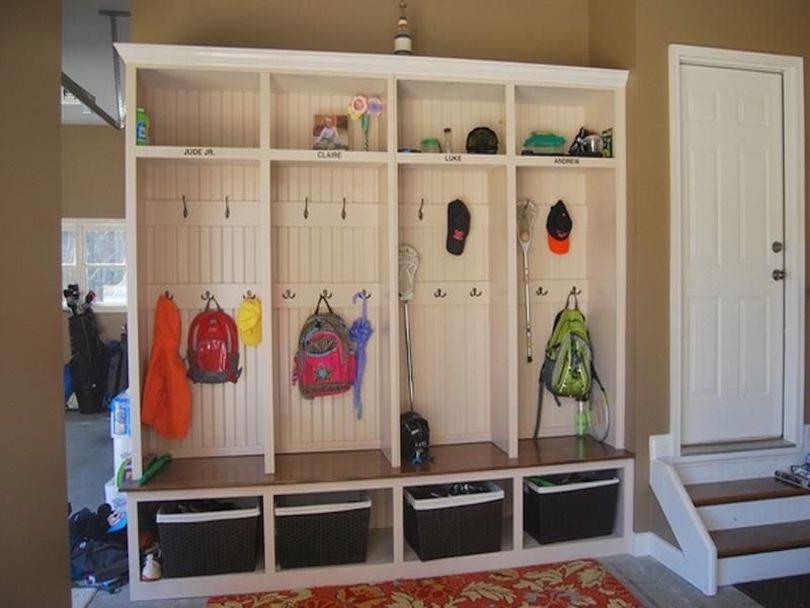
<point x="591" y="267"/>
<point x="458" y="315"/>
<point x="296" y="99"/>
<point x="425" y="108"/>
<point x="592" y="507"/>
<point x="561" y="111"/>
<point x="330" y="526"/>
<point x="200" y="108"/>
<point x="214" y="247"/>
<point x="457" y="522"/>
<point x="201" y="536"/>
<point x="332" y="233"/>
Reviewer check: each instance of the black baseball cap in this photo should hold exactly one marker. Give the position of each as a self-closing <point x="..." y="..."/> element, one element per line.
<point x="558" y="225"/>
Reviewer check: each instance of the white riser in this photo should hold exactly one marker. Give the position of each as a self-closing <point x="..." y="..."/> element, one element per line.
<point x="756" y="513"/>
<point x="731" y="570"/>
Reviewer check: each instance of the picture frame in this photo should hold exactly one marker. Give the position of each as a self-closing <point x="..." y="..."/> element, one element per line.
<point x="330" y="132"/>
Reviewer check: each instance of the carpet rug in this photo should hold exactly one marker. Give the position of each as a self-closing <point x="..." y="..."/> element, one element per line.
<point x="583" y="583"/>
<point x="788" y="592"/>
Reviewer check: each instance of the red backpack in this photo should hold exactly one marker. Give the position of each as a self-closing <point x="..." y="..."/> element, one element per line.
<point x="213" y="347"/>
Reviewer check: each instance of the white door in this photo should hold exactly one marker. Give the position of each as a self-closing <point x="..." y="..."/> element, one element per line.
<point x="732" y="242"/>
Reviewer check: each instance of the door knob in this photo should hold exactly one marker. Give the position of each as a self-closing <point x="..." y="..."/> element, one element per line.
<point x="778" y="275"/>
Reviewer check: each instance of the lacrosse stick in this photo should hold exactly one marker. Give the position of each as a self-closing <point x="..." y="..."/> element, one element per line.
<point x="526" y="214"/>
<point x="408" y="263"/>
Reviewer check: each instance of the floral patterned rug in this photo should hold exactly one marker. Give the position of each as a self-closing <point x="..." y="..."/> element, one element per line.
<point x="578" y="583"/>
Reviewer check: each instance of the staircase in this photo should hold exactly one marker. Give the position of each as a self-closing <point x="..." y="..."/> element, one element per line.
<point x="731" y="531"/>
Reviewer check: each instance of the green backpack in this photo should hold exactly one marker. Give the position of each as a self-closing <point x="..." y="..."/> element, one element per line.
<point x="568" y="369"/>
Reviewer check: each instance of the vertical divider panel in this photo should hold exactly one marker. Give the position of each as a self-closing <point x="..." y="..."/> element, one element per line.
<point x="389" y="412"/>
<point x="265" y="278"/>
<point x="135" y="300"/>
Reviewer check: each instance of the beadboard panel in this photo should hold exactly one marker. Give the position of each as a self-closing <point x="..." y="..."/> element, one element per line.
<point x="319" y="244"/>
<point x="325" y="423"/>
<point x="425" y="109"/>
<point x="188" y="117"/>
<point x="225" y="418"/>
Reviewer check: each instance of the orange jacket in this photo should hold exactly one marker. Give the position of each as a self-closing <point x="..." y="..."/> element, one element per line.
<point x="166" y="400"/>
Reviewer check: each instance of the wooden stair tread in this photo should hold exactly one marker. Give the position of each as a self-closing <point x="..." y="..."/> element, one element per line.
<point x="761" y="539"/>
<point x="741" y="490"/>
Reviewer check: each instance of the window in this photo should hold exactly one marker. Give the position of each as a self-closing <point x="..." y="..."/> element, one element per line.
<point x="94" y="255"/>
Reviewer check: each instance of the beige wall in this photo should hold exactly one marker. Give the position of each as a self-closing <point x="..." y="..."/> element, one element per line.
<point x="92" y="171"/>
<point x="33" y="504"/>
<point x="519" y="30"/>
<point x="632" y="34"/>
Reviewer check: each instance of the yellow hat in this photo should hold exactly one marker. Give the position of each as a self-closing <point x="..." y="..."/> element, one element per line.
<point x="249" y="321"/>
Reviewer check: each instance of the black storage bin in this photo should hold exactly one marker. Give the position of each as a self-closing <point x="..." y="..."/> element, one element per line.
<point x="325" y="529"/>
<point x="452" y="520"/>
<point x="201" y="537"/>
<point x="560" y="508"/>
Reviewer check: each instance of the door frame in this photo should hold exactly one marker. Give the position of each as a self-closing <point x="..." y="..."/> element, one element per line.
<point x="791" y="69"/>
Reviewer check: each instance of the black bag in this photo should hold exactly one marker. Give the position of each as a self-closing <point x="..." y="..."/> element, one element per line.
<point x="88" y="365"/>
<point x="96" y="555"/>
<point x="414" y="438"/>
<point x="117" y="369"/>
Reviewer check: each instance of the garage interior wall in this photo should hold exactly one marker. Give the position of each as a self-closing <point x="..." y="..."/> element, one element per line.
<point x="33" y="503"/>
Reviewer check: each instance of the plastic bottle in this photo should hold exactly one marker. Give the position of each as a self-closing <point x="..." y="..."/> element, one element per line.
<point x="119" y="417"/>
<point x="447" y="140"/>
<point x="142" y="127"/>
<point x="581" y="420"/>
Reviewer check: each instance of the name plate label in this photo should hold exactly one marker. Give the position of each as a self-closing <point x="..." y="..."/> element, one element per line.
<point x="452" y="158"/>
<point x="565" y="160"/>
<point x="328" y="154"/>
<point x="198" y="152"/>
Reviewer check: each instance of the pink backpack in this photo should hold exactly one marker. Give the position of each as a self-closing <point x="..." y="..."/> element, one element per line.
<point x="325" y="362"/>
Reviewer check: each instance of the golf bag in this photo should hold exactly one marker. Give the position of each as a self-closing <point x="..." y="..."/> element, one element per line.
<point x="88" y="362"/>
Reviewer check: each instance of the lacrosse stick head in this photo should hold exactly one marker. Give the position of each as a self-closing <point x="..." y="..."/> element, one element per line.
<point x="408" y="263"/>
<point x="526" y="214"/>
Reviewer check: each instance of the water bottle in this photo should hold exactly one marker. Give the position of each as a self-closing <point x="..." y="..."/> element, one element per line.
<point x="142" y="127"/>
<point x="581" y="421"/>
<point x="119" y="418"/>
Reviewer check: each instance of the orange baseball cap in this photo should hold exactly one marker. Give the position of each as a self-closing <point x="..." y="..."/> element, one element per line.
<point x="558" y="226"/>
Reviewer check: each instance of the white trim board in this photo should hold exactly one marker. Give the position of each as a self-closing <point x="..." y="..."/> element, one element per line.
<point x="791" y="70"/>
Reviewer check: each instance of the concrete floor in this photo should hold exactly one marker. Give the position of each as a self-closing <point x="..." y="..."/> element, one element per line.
<point x="90" y="464"/>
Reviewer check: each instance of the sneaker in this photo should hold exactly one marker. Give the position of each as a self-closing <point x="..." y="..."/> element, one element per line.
<point x="152" y="570"/>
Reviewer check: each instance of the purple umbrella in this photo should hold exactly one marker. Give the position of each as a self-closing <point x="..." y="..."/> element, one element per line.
<point x="360" y="333"/>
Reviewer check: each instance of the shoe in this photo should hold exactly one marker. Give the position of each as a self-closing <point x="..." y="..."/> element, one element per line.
<point x="152" y="570"/>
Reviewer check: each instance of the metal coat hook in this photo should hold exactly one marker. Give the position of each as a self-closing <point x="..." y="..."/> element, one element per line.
<point x="249" y="295"/>
<point x="421" y="215"/>
<point x="288" y="295"/>
<point x="306" y="207"/>
<point x="227" y="208"/>
<point x="364" y="294"/>
<point x="185" y="207"/>
<point x="574" y="291"/>
<point x="206" y="296"/>
<point x="326" y="294"/>
<point x="343" y="210"/>
<point x="541" y="292"/>
<point x="474" y="293"/>
<point x="168" y="294"/>
<point x="440" y="293"/>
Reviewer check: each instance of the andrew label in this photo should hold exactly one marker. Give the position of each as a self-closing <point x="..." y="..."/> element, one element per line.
<point x="564" y="160"/>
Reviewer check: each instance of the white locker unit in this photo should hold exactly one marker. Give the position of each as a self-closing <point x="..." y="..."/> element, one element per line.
<point x="229" y="198"/>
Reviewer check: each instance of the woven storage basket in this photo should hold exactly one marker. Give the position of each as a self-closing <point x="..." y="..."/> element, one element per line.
<point x="322" y="529"/>
<point x="576" y="507"/>
<point x="454" y="525"/>
<point x="213" y="542"/>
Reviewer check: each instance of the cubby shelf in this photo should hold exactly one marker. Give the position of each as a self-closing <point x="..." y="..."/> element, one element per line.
<point x="229" y="197"/>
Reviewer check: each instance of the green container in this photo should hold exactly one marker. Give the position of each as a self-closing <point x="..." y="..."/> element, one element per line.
<point x="142" y="127"/>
